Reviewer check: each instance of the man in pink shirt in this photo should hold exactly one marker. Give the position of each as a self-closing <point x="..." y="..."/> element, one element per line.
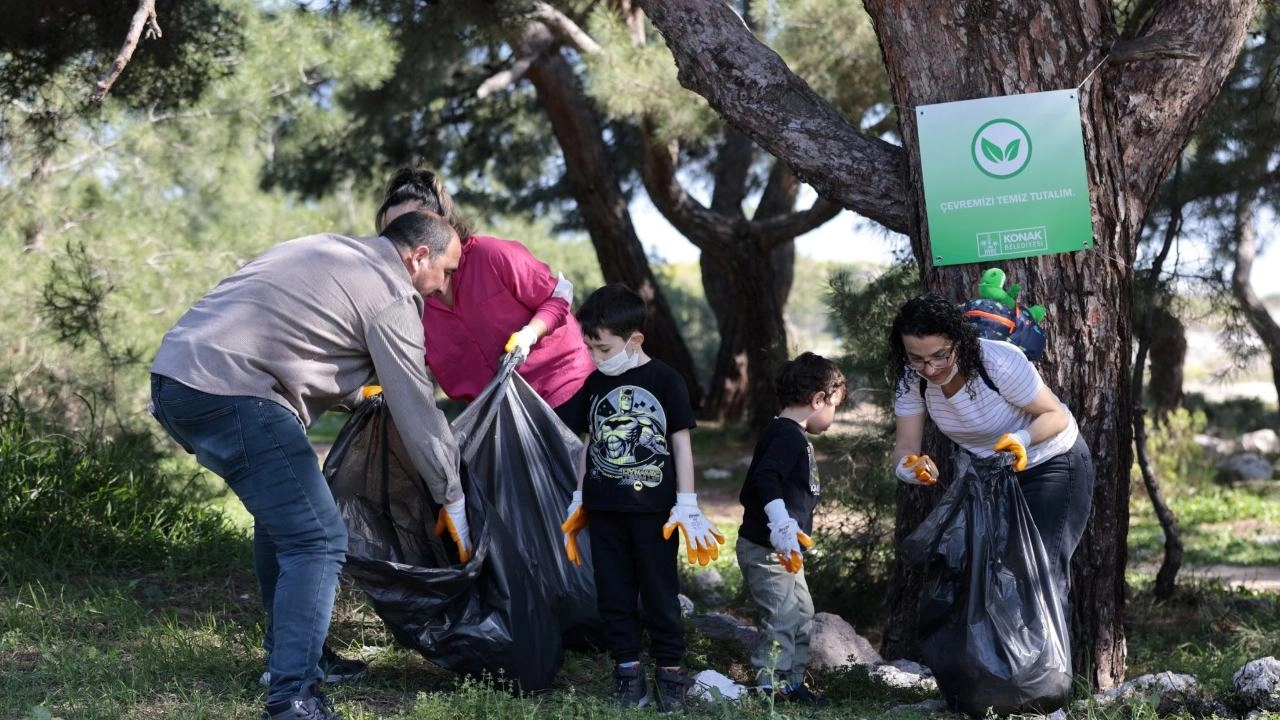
<point x="500" y="299"/>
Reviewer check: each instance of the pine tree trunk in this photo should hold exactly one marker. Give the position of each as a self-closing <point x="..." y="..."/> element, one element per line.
<point x="1138" y="112"/>
<point x="603" y="207"/>
<point x="1168" y="356"/>
<point x="1259" y="317"/>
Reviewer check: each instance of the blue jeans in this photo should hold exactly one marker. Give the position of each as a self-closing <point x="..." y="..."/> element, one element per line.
<point x="261" y="450"/>
<point x="1059" y="494"/>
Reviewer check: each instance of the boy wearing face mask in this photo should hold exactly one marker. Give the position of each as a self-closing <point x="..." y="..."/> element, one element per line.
<point x="635" y="487"/>
<point x="778" y="499"/>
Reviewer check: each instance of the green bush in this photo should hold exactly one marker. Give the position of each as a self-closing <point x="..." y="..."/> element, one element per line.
<point x="1234" y="416"/>
<point x="80" y="501"/>
<point x="848" y="569"/>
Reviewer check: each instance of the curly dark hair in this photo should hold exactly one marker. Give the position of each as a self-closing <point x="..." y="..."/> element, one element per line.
<point x="931" y="314"/>
<point x="808" y="374"/>
<point x="423" y="187"/>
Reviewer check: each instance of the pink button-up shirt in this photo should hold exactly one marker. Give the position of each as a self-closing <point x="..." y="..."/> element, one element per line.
<point x="499" y="287"/>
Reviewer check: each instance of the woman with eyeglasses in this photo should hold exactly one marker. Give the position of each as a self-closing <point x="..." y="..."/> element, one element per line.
<point x="500" y="299"/>
<point x="988" y="398"/>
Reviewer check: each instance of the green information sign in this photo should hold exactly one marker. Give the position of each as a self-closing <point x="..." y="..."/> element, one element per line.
<point x="1004" y="177"/>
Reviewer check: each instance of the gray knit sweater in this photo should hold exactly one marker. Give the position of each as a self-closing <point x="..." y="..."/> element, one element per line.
<point x="305" y="325"/>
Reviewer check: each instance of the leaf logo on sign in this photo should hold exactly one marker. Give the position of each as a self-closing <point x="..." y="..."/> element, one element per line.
<point x="998" y="148"/>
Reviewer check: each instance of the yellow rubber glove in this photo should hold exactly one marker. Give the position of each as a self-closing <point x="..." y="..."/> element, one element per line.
<point x="521" y="340"/>
<point x="453" y="518"/>
<point x="575" y="520"/>
<point x="1015" y="443"/>
<point x="701" y="538"/>
<point x="917" y="470"/>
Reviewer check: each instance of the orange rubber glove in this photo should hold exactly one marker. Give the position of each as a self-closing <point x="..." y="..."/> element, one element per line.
<point x="575" y="520"/>
<point x="1015" y="443"/>
<point x="453" y="518"/>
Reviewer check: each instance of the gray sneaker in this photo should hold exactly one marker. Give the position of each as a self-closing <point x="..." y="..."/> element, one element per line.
<point x="629" y="687"/>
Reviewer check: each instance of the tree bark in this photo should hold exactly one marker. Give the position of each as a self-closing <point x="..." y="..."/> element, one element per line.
<point x="1168" y="343"/>
<point x="1136" y="119"/>
<point x="1246" y="249"/>
<point x="603" y="206"/>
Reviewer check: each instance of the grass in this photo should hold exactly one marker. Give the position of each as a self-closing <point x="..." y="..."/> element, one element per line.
<point x="127" y="612"/>
<point x="1220" y="523"/>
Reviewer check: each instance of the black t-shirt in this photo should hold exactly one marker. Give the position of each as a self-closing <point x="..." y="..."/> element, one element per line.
<point x="783" y="467"/>
<point x="630" y="419"/>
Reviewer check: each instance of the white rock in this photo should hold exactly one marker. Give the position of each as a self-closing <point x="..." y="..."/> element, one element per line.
<point x="717" y="473"/>
<point x="894" y="677"/>
<point x="833" y="642"/>
<point x="1263" y="442"/>
<point x="1258" y="682"/>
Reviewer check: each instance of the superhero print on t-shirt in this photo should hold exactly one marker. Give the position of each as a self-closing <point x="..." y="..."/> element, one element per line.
<point x="628" y="438"/>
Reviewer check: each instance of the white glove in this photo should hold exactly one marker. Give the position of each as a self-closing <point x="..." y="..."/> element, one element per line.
<point x="785" y="536"/>
<point x="917" y="470"/>
<point x="453" y="518"/>
<point x="700" y="536"/>
<point x="521" y="341"/>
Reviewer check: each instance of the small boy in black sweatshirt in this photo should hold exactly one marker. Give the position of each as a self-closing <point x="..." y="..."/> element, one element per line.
<point x="778" y="499"/>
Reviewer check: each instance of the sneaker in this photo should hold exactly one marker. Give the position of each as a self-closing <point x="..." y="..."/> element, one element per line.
<point x="801" y="695"/>
<point x="629" y="687"/>
<point x="672" y="685"/>
<point x="316" y="707"/>
<point x="334" y="667"/>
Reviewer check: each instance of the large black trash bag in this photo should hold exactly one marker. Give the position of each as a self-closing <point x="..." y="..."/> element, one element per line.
<point x="992" y="619"/>
<point x="525" y="461"/>
<point x="495" y="615"/>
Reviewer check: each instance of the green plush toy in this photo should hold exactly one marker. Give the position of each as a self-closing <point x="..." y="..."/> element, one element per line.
<point x="991" y="287"/>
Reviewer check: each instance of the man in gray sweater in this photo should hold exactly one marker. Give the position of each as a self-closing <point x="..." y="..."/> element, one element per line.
<point x="294" y="332"/>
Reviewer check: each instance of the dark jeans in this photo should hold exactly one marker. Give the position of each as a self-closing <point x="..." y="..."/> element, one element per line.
<point x="261" y="450"/>
<point x="1059" y="494"/>
<point x="632" y="559"/>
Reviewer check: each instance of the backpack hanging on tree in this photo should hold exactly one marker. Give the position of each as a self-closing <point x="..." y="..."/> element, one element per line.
<point x="997" y="315"/>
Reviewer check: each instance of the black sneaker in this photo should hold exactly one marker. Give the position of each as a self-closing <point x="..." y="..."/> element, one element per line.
<point x="315" y="707"/>
<point x="338" y="669"/>
<point x="672" y="685"/>
<point x="629" y="687"/>
<point x="801" y="695"/>
<point x="334" y="667"/>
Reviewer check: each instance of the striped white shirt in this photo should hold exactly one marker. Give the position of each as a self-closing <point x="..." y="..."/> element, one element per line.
<point x="976" y="424"/>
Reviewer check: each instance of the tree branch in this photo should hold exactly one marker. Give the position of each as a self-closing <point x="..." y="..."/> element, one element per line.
<point x="565" y="29"/>
<point x="707" y="230"/>
<point x="752" y="88"/>
<point x="143" y="18"/>
<point x="534" y="44"/>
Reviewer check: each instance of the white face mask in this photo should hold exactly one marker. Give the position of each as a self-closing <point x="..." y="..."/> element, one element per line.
<point x="619" y="362"/>
<point x="955" y="368"/>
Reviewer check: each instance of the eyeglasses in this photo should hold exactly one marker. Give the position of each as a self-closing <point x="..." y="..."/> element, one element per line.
<point x="937" y="360"/>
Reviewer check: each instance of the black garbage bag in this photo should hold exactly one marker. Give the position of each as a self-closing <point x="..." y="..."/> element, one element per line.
<point x="524" y="460"/>
<point x="501" y="613"/>
<point x="992" y="619"/>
